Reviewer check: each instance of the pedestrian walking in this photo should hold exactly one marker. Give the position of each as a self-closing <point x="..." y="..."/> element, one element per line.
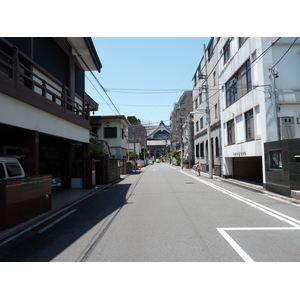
<point x="197" y="167"/>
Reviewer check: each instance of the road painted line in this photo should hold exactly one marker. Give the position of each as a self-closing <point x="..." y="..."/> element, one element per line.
<point x="242" y="253"/>
<point x="235" y="246"/>
<point x="258" y="228"/>
<point x="276" y="214"/>
<point x="57" y="220"/>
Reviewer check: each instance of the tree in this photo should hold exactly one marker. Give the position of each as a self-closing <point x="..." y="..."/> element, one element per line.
<point x="176" y="155"/>
<point x="143" y="152"/>
<point x="97" y="149"/>
<point x="132" y="155"/>
<point x="133" y="120"/>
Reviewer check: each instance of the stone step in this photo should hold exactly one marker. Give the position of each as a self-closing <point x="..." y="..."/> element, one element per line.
<point x="295" y="194"/>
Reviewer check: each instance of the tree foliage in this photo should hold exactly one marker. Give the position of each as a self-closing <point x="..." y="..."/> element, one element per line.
<point x="97" y="149"/>
<point x="133" y="119"/>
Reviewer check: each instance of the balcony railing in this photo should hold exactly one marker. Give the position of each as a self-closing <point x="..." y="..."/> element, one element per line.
<point x="51" y="90"/>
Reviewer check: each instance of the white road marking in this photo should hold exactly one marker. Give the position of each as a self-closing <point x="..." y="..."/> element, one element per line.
<point x="276" y="214"/>
<point x="269" y="211"/>
<point x="57" y="220"/>
<point x="235" y="245"/>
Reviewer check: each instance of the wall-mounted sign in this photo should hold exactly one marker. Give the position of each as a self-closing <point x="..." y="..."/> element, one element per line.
<point x="276" y="159"/>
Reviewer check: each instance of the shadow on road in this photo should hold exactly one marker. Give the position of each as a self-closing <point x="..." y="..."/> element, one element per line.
<point x="44" y="247"/>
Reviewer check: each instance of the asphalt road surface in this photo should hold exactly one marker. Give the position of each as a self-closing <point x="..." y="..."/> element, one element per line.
<point x="165" y="214"/>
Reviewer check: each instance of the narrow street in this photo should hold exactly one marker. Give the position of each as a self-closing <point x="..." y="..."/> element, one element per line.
<point x="166" y="214"/>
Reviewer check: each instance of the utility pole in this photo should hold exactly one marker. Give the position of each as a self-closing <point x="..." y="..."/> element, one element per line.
<point x="133" y="130"/>
<point x="208" y="118"/>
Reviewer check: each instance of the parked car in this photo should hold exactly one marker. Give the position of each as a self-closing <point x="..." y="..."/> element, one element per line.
<point x="10" y="168"/>
<point x="157" y="160"/>
<point x="56" y="182"/>
<point x="149" y="162"/>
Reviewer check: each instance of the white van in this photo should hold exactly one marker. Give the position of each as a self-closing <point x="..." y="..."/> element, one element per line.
<point x="10" y="168"/>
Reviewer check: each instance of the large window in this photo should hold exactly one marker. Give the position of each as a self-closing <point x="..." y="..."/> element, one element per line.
<point x="239" y="84"/>
<point x="110" y="132"/>
<point x="230" y="132"/>
<point x="249" y="125"/>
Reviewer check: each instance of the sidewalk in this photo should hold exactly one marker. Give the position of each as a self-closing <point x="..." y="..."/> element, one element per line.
<point x="250" y="185"/>
<point x="62" y="200"/>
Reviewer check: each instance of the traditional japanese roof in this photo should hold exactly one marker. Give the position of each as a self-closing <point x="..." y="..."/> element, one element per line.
<point x="160" y="128"/>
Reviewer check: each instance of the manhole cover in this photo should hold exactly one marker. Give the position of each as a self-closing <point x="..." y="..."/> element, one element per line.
<point x="189" y="183"/>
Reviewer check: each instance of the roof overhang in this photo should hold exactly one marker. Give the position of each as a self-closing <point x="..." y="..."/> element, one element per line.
<point x="84" y="50"/>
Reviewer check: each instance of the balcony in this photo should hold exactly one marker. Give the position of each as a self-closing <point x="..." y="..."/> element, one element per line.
<point x="33" y="86"/>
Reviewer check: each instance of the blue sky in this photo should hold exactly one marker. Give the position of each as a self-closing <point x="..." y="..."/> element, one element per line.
<point x="144" y="76"/>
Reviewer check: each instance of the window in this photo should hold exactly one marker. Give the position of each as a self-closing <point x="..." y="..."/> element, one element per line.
<point x="226" y="51"/>
<point x="201" y="123"/>
<point x="239" y="84"/>
<point x="249" y="125"/>
<point x="200" y="98"/>
<point x="202" y="149"/>
<point x="287" y="128"/>
<point x="197" y="126"/>
<point x="214" y="78"/>
<point x="13" y="169"/>
<point x="210" y="49"/>
<point x="196" y="102"/>
<point x="216" y="111"/>
<point x="230" y="132"/>
<point x="197" y="150"/>
<point x="242" y="40"/>
<point x="2" y="173"/>
<point x="110" y="132"/>
<point x="217" y="147"/>
<point x="275" y="159"/>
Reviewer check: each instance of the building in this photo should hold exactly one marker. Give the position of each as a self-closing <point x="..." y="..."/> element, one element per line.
<point x="114" y="130"/>
<point x="188" y="142"/>
<point x="45" y="112"/>
<point x="248" y="90"/>
<point x="178" y="117"/>
<point x="137" y="137"/>
<point x="259" y="82"/>
<point x="158" y="141"/>
<point x="206" y="105"/>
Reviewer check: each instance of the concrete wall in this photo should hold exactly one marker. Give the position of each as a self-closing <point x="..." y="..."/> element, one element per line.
<point x="283" y="180"/>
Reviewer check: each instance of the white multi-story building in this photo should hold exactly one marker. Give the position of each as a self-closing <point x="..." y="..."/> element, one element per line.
<point x="259" y="80"/>
<point x="251" y="88"/>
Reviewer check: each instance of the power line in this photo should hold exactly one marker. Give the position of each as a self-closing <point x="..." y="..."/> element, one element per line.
<point x="94" y="76"/>
<point x="285" y="52"/>
<point x="99" y="94"/>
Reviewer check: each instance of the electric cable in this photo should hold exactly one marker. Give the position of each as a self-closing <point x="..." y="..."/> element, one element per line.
<point x="285" y="52"/>
<point x="94" y="76"/>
